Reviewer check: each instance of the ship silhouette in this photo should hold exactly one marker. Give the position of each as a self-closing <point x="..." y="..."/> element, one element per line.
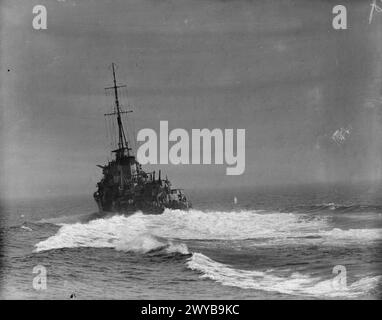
<point x="125" y="187"/>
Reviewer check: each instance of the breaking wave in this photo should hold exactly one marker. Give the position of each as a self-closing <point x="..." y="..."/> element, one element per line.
<point x="113" y="232"/>
<point x="146" y="243"/>
<point x="337" y="207"/>
<point x="164" y="233"/>
<point x="295" y="284"/>
<point x="356" y="234"/>
<point x="26" y="228"/>
<point x="124" y="232"/>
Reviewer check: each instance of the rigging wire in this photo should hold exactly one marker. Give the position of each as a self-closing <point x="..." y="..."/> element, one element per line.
<point x="125" y="117"/>
<point x="109" y="120"/>
<point x="107" y="132"/>
<point x="135" y="134"/>
<point x="114" y="133"/>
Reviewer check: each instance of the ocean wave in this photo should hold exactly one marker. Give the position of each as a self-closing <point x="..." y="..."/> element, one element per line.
<point x="197" y="225"/>
<point x="240" y="225"/>
<point x="355" y="234"/>
<point x="163" y="234"/>
<point x="146" y="243"/>
<point x="332" y="237"/>
<point x="337" y="207"/>
<point x="177" y="224"/>
<point x="295" y="284"/>
<point x="26" y="228"/>
<point x="67" y="219"/>
<point x="118" y="232"/>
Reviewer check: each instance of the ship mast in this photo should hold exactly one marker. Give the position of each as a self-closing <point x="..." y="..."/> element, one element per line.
<point x="122" y="141"/>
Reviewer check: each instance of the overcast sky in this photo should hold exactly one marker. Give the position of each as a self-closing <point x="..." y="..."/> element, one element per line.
<point x="274" y="68"/>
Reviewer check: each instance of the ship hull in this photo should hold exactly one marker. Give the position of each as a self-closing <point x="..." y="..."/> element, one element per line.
<point x="144" y="206"/>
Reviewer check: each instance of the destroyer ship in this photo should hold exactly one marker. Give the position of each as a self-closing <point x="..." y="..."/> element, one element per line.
<point x="125" y="187"/>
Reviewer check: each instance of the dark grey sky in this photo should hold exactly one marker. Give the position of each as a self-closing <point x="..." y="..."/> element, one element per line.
<point x="275" y="68"/>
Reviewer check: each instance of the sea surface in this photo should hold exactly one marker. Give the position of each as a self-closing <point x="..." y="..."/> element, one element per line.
<point x="273" y="243"/>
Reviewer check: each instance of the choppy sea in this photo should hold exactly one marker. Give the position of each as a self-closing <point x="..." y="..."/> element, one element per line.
<point x="273" y="243"/>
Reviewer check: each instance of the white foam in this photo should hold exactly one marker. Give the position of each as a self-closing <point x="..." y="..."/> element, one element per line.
<point x="26" y="228"/>
<point x="355" y="234"/>
<point x="194" y="224"/>
<point x="220" y="225"/>
<point x="295" y="284"/>
<point x="268" y="228"/>
<point x="145" y="243"/>
<point x="119" y="232"/>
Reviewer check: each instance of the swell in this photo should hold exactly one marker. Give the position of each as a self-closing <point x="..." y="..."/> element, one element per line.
<point x="294" y="284"/>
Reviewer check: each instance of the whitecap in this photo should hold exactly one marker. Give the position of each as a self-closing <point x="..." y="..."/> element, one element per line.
<point x="294" y="284"/>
